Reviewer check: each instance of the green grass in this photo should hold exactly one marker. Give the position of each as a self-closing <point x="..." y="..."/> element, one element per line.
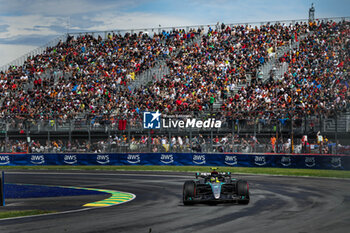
<point x="21" y="213"/>
<point x="243" y="170"/>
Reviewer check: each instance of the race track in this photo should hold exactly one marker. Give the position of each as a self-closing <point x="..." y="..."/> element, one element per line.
<point x="278" y="204"/>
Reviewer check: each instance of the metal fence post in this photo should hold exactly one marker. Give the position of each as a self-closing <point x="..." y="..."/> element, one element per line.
<point x="89" y="133"/>
<point x="149" y="141"/>
<point x="6" y="136"/>
<point x="129" y="133"/>
<point x="336" y="133"/>
<point x="211" y="140"/>
<point x="170" y="145"/>
<point x="70" y="130"/>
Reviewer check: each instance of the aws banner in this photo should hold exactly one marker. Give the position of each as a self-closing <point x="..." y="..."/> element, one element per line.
<point x="337" y="162"/>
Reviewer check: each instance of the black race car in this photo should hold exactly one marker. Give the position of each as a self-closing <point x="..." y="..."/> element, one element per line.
<point x="215" y="187"/>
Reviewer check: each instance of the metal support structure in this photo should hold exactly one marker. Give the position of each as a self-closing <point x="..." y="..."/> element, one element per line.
<point x="89" y="133"/>
<point x="6" y="137"/>
<point x="312" y="13"/>
<point x="336" y="133"/>
<point x="169" y="141"/>
<point x="211" y="140"/>
<point x="191" y="137"/>
<point x="129" y="137"/>
<point x="70" y="130"/>
<point x="277" y="139"/>
<point x="48" y="136"/>
<point x="292" y="137"/>
<point x="149" y="141"/>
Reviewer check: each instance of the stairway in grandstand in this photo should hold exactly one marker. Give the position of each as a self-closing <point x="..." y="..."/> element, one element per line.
<point x="150" y="75"/>
<point x="272" y="64"/>
<point x="158" y="71"/>
<point x="240" y="85"/>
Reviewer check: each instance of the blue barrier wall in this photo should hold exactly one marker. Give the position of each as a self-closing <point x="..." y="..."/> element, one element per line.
<point x="337" y="162"/>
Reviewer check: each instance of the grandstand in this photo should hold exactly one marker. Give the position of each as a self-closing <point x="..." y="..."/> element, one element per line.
<point x="88" y="91"/>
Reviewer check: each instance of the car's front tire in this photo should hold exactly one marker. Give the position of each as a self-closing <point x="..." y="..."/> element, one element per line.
<point x="189" y="192"/>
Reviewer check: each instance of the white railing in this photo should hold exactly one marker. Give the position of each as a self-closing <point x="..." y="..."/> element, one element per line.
<point x="19" y="61"/>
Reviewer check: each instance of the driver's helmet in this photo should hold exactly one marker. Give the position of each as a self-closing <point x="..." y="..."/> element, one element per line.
<point x="214" y="173"/>
<point x="212" y="179"/>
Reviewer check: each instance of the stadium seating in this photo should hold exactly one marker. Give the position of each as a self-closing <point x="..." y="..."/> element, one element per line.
<point x="88" y="78"/>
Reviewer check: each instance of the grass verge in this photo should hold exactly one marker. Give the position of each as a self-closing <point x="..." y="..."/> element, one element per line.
<point x="243" y="170"/>
<point x="21" y="213"/>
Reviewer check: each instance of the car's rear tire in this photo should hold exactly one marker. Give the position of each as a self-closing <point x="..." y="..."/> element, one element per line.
<point x="189" y="192"/>
<point x="243" y="192"/>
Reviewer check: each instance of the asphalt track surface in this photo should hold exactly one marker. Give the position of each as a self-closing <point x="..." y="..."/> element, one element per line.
<point x="278" y="204"/>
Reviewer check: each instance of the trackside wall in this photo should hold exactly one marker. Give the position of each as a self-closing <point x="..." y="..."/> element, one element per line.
<point x="312" y="161"/>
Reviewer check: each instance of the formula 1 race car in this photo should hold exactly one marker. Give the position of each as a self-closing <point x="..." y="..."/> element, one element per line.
<point x="215" y="187"/>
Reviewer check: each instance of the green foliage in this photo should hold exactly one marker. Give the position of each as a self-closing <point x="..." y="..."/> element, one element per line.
<point x="21" y="213"/>
<point x="233" y="170"/>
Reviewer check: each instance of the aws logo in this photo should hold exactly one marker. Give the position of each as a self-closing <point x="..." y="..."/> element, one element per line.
<point x="37" y="159"/>
<point x="70" y="159"/>
<point x="102" y="159"/>
<point x="260" y="160"/>
<point x="310" y="161"/>
<point x="133" y="159"/>
<point x="336" y="162"/>
<point x="286" y="161"/>
<point x="231" y="160"/>
<point x="199" y="159"/>
<point x="166" y="159"/>
<point x="5" y="159"/>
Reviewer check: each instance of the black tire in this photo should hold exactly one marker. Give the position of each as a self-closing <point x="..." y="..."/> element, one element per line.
<point x="189" y="192"/>
<point x="243" y="192"/>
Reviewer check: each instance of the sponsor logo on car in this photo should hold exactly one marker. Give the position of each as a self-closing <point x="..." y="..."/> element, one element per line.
<point x="231" y="160"/>
<point x="286" y="161"/>
<point x="5" y="159"/>
<point x="260" y="160"/>
<point x="336" y="162"/>
<point x="199" y="159"/>
<point x="37" y="159"/>
<point x="70" y="159"/>
<point x="133" y="158"/>
<point x="310" y="161"/>
<point x="166" y="159"/>
<point x="102" y="159"/>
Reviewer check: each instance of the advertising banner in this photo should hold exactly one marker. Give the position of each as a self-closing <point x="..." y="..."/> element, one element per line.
<point x="312" y="161"/>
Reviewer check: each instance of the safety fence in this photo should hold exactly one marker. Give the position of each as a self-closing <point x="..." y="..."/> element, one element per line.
<point x="231" y="122"/>
<point x="326" y="135"/>
<point x="311" y="161"/>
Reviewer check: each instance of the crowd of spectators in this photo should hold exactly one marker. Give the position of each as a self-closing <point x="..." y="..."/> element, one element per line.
<point x="161" y="143"/>
<point x="99" y="70"/>
<point x="201" y="73"/>
<point x="206" y="71"/>
<point x="315" y="83"/>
